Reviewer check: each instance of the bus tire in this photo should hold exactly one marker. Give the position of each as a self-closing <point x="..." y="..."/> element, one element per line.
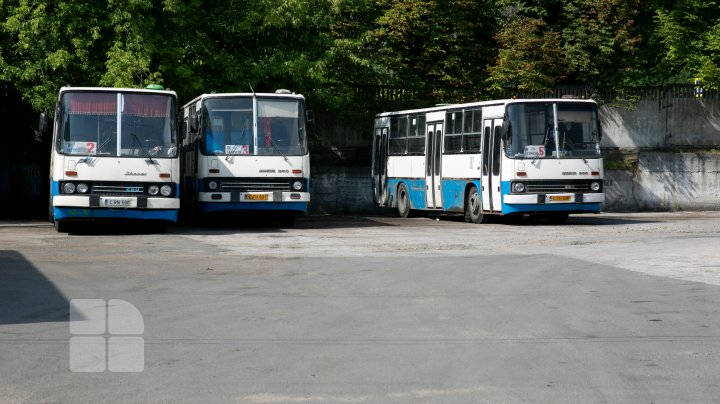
<point x="473" y="207"/>
<point x="403" y="201"/>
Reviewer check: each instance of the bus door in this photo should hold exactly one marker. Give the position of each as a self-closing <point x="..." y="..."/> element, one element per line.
<point x="433" y="157"/>
<point x="380" y="165"/>
<point x="491" y="199"/>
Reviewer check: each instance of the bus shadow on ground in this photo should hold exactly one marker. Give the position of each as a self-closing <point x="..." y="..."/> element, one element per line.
<point x="265" y="224"/>
<point x="116" y="227"/>
<point x="572" y="220"/>
<point x="26" y="295"/>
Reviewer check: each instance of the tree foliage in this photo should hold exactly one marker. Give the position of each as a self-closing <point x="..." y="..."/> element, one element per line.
<point x="689" y="35"/>
<point x="343" y="53"/>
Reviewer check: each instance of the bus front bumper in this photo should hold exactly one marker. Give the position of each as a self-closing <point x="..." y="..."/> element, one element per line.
<point x="115" y="203"/>
<point x="254" y="197"/>
<point x="537" y="203"/>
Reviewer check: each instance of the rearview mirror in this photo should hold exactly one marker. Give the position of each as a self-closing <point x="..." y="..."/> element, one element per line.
<point x="309" y="116"/>
<point x="43" y="124"/>
<point x="193" y="123"/>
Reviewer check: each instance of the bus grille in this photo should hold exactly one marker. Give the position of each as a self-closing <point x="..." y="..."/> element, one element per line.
<point x="555" y="187"/>
<point x="118" y="189"/>
<point x="246" y="185"/>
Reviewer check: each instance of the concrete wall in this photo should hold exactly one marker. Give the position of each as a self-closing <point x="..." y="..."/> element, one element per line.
<point x="662" y="122"/>
<point x="666" y="181"/>
<point x="342" y="190"/>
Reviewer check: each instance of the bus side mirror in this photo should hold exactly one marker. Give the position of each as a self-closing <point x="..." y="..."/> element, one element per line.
<point x="193" y="122"/>
<point x="183" y="129"/>
<point x="507" y="135"/>
<point x="43" y="124"/>
<point x="309" y="116"/>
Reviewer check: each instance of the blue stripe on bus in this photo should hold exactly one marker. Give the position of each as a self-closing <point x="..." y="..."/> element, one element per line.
<point x="555" y="207"/>
<point x="209" y="207"/>
<point x="416" y="190"/>
<point x="61" y="213"/>
<point x="453" y="193"/>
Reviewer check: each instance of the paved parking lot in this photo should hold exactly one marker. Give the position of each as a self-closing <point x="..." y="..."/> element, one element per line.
<point x="606" y="308"/>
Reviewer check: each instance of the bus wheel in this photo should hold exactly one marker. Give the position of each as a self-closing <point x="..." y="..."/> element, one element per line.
<point x="403" y="201"/>
<point x="473" y="208"/>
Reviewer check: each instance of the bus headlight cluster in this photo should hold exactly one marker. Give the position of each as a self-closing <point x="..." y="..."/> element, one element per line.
<point x="518" y="187"/>
<point x="594" y="186"/>
<point x="297" y="185"/>
<point x="212" y="185"/>
<point x="71" y="188"/>
<point x="164" y="190"/>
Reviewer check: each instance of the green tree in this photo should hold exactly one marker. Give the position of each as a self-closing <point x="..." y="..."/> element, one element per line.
<point x="600" y="39"/>
<point x="438" y="48"/>
<point x="688" y="33"/>
<point x="530" y="58"/>
<point x="543" y="44"/>
<point x="50" y="44"/>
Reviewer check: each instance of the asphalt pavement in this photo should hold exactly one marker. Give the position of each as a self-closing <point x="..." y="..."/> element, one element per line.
<point x="617" y="308"/>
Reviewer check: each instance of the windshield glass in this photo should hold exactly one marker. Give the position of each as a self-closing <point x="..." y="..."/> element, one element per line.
<point x="117" y="124"/>
<point x="228" y="127"/>
<point x="532" y="133"/>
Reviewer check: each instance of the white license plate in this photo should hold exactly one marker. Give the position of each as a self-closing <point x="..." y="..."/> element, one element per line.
<point x="118" y="202"/>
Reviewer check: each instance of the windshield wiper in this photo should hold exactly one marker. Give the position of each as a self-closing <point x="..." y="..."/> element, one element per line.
<point x="106" y="141"/>
<point x="95" y="153"/>
<point x="135" y="138"/>
<point x="277" y="149"/>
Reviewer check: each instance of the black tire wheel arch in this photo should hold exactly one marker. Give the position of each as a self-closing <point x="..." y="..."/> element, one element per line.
<point x="473" y="207"/>
<point x="403" y="201"/>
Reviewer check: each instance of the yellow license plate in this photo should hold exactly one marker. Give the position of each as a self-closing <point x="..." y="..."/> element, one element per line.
<point x="262" y="197"/>
<point x="559" y="198"/>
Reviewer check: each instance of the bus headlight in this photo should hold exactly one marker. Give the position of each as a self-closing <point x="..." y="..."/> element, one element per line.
<point x="297" y="185"/>
<point x="69" y="188"/>
<point x="153" y="189"/>
<point x="212" y="185"/>
<point x="82" y="188"/>
<point x="165" y="190"/>
<point x="518" y="187"/>
<point x="594" y="186"/>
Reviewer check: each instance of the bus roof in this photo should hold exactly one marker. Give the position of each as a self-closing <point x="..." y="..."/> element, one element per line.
<point x="241" y="95"/>
<point x="115" y="90"/>
<point x="483" y="104"/>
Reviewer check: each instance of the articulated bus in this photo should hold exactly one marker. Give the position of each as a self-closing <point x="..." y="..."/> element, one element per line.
<point x="114" y="155"/>
<point x="536" y="157"/>
<point x="246" y="153"/>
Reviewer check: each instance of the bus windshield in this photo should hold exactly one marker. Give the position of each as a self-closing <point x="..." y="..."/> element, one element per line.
<point x="228" y="127"/>
<point x="117" y="124"/>
<point x="532" y="134"/>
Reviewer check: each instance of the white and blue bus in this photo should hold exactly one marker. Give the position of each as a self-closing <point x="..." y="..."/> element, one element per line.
<point x="538" y="157"/>
<point x="114" y="155"/>
<point x="246" y="153"/>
